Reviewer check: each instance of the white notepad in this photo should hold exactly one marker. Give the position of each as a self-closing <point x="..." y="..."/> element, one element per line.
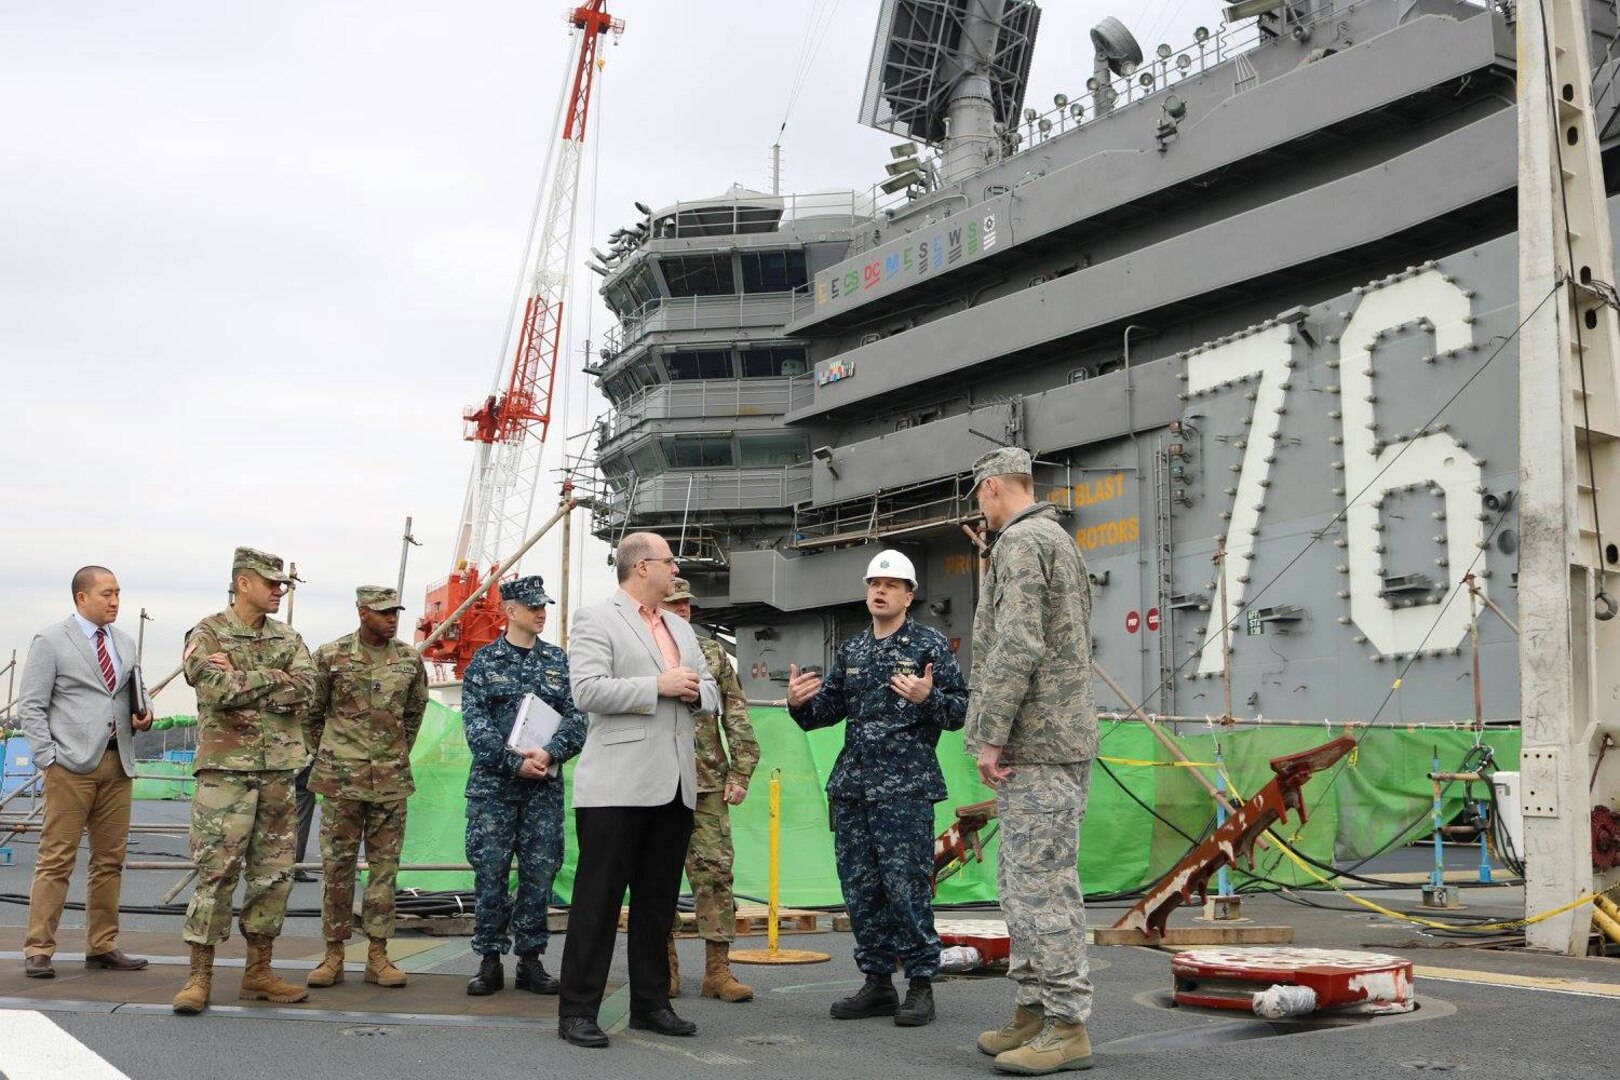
<point x="534" y="727"/>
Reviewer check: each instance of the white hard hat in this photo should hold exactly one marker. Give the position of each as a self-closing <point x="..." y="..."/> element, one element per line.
<point x="891" y="564"/>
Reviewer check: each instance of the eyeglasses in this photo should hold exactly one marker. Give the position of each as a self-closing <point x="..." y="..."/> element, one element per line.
<point x="670" y="559"/>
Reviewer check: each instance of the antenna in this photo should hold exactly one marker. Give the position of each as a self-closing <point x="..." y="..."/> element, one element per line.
<point x="1117" y="54"/>
<point x="945" y="72"/>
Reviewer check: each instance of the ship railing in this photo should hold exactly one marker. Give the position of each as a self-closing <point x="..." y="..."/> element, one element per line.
<point x="757" y="212"/>
<point x="725" y="312"/>
<point x="683" y="492"/>
<point x="700" y="398"/>
<point x="893" y="512"/>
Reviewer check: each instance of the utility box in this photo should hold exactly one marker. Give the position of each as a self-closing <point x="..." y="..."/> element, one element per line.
<point x="1506" y="786"/>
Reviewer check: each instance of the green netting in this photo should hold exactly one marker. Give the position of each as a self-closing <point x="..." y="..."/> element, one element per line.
<point x="1357" y="809"/>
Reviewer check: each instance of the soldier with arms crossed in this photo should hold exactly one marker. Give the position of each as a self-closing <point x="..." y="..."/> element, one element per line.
<point x="514" y="800"/>
<point x="899" y="686"/>
<point x="369" y="700"/>
<point x="254" y="681"/>
<point x="1032" y="723"/>
<point x="723" y="769"/>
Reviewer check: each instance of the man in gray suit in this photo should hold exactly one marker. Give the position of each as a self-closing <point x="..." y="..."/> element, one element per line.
<point x="75" y="708"/>
<point x="640" y="675"/>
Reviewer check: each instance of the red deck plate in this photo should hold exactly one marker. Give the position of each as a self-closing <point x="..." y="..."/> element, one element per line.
<point x="989" y="936"/>
<point x="1343" y="979"/>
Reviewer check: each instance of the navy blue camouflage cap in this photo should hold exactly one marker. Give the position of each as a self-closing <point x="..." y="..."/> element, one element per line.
<point x="529" y="591"/>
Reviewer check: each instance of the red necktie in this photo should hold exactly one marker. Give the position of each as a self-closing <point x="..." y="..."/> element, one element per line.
<point x="104" y="660"/>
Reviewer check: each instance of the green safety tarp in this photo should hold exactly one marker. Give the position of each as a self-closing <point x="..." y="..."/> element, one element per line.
<point x="1379" y="796"/>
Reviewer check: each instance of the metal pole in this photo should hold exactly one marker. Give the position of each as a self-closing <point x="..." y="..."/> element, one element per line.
<point x="405" y="544"/>
<point x="567" y="563"/>
<point x="1226" y="630"/>
<point x="140" y="636"/>
<point x="495" y="575"/>
<point x="292" y="590"/>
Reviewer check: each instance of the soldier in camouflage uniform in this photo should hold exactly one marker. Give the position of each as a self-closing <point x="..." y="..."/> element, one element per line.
<point x="723" y="769"/>
<point x="1032" y="722"/>
<point x="899" y="686"/>
<point x="254" y="681"/>
<point x="514" y="800"/>
<point x="369" y="701"/>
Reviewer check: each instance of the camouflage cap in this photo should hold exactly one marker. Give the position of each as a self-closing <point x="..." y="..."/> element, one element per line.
<point x="1002" y="461"/>
<point x="378" y="598"/>
<point x="529" y="591"/>
<point x="268" y="566"/>
<point x="679" y="589"/>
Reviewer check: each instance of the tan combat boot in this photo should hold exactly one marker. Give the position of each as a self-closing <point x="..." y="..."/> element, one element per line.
<point x="330" y="971"/>
<point x="193" y="997"/>
<point x="674" y="968"/>
<point x="1026" y="1023"/>
<point x="259" y="983"/>
<point x="1059" y="1046"/>
<point x="718" y="981"/>
<point x="380" y="969"/>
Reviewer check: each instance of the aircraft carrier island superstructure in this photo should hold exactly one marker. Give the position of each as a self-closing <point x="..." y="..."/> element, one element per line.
<point x="1258" y="293"/>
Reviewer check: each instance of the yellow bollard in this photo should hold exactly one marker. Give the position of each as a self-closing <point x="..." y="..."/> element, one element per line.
<point x="771" y="954"/>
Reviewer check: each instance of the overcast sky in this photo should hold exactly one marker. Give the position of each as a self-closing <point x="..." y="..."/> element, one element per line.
<point x="256" y="257"/>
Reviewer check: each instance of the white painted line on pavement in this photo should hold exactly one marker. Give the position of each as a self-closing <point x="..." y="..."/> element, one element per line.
<point x="33" y="1048"/>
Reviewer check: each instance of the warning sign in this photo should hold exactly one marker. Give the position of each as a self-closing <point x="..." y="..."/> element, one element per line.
<point x="1153" y="619"/>
<point x="1133" y="622"/>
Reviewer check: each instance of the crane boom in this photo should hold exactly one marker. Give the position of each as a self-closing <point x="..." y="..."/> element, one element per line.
<point x="510" y="426"/>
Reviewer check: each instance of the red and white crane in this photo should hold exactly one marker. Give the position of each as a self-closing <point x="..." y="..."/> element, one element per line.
<point x="510" y="425"/>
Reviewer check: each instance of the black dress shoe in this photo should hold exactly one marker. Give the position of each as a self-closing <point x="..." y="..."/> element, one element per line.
<point x="39" y="967"/>
<point x="663" y="1022"/>
<point x="533" y="977"/>
<point x="581" y="1031"/>
<point x="303" y="875"/>
<point x="114" y="960"/>
<point x="489" y="979"/>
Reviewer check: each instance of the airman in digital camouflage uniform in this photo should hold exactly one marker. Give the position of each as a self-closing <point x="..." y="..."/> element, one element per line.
<point x="514" y="804"/>
<point x="254" y="681"/>
<point x="899" y="686"/>
<point x="369" y="701"/>
<point x="1032" y="722"/>
<point x="723" y="769"/>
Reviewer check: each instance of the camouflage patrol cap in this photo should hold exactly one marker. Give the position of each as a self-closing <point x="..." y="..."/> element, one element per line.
<point x="679" y="589"/>
<point x="378" y="598"/>
<point x="1002" y="461"/>
<point x="268" y="566"/>
<point x="529" y="591"/>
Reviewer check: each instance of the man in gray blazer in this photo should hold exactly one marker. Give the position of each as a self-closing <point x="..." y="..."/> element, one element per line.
<point x="75" y="709"/>
<point x="640" y="675"/>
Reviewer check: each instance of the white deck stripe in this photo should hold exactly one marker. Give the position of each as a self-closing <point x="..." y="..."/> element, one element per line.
<point x="33" y="1048"/>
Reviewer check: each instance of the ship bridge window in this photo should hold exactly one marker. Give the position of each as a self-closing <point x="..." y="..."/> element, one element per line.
<point x="754" y="451"/>
<point x="645" y="461"/>
<point x="632" y="292"/>
<point x="706" y="364"/>
<point x="698" y="275"/>
<point x="698" y="451"/>
<point x="774" y="361"/>
<point x="773" y="271"/>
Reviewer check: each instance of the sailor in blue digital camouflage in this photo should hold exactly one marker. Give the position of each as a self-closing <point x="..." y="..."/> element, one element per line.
<point x="515" y="799"/>
<point x="370" y="696"/>
<point x="1032" y="724"/>
<point x="724" y="766"/>
<point x="899" y="686"/>
<point x="254" y="681"/>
